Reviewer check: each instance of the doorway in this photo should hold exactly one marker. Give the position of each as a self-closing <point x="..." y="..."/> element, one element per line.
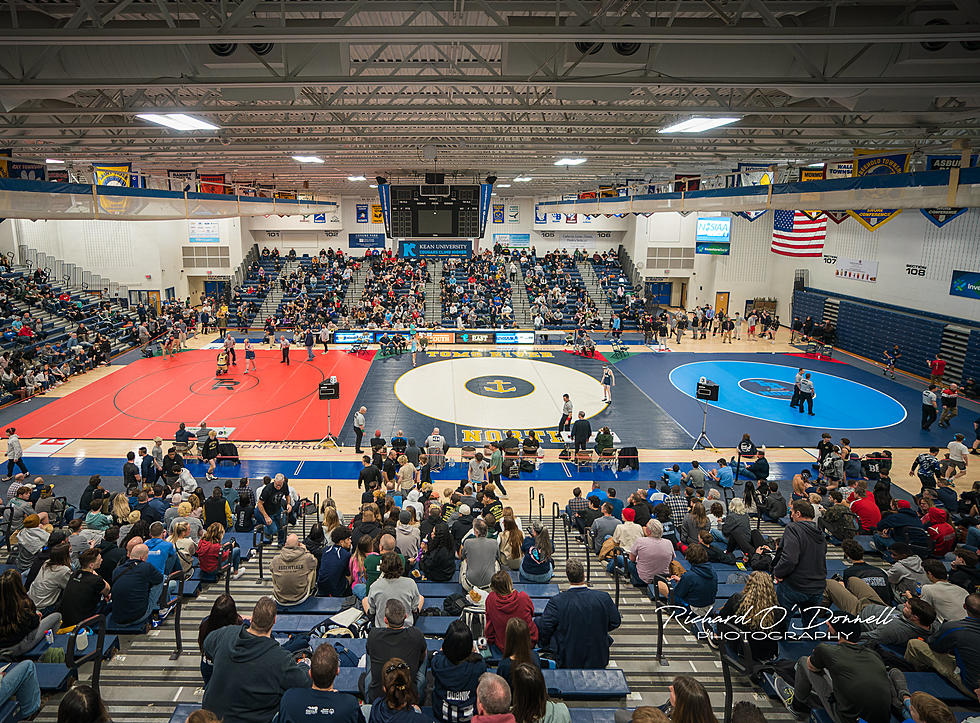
<point x="721" y="302"/>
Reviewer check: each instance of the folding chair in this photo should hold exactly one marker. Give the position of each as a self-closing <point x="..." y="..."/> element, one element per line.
<point x="608" y="459"/>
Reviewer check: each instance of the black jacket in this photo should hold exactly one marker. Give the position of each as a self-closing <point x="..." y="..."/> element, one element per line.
<point x="581" y="430"/>
<point x="801" y="560"/>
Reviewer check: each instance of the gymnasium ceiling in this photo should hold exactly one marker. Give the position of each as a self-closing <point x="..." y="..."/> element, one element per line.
<point x="478" y="87"/>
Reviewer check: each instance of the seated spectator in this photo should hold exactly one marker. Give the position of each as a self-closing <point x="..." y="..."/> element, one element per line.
<point x="321" y="703"/>
<point x="650" y="555"/>
<point x="211" y="557"/>
<point x="603" y="527"/>
<point x="95" y="520"/>
<point x="846" y="679"/>
<point x="538" y="565"/>
<point x="504" y="604"/>
<point x="223" y="612"/>
<point x="492" y="700"/>
<point x="438" y="561"/>
<point x="18" y="682"/>
<point x="737" y="529"/>
<point x="900" y="525"/>
<point x="773" y="507"/>
<point x="509" y="541"/>
<point x="85" y="593"/>
<point x="874" y="577"/>
<point x="963" y="570"/>
<point x="21" y="625"/>
<point x="560" y="626"/>
<point x="407" y="535"/>
<point x="865" y="508"/>
<point x="136" y="589"/>
<point x="518" y="648"/>
<point x="906" y="573"/>
<point x="399" y="704"/>
<point x="941" y="533"/>
<point x="82" y="703"/>
<point x="530" y="697"/>
<point x="372" y="564"/>
<point x="250" y="654"/>
<point x="753" y="611"/>
<point x="944" y="596"/>
<point x="881" y="624"/>
<point x="31" y="539"/>
<point x="392" y="585"/>
<point x="293" y="572"/>
<point x="695" y="522"/>
<point x="162" y="555"/>
<point x="51" y="579"/>
<point x="479" y="558"/>
<point x="394" y="640"/>
<point x="758" y="470"/>
<point x="456" y="671"/>
<point x="724" y="476"/>
<point x="697" y="587"/>
<point x="689" y="701"/>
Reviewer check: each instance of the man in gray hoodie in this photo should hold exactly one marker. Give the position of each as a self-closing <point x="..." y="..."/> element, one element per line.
<point x="906" y="574"/>
<point x="800" y="564"/>
<point x="882" y="623"/>
<point x="251" y="670"/>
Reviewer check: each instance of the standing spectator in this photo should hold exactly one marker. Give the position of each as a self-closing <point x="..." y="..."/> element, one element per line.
<point x="930" y="410"/>
<point x="358" y="425"/>
<point x="293" y="573"/>
<point x="948" y="398"/>
<point x="15" y="454"/>
<point x="241" y="654"/>
<point x="937" y="367"/>
<point x="581" y="432"/>
<point x="800" y="566"/>
<point x="575" y="645"/>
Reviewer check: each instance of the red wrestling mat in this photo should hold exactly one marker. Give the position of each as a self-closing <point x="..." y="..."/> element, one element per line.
<point x="149" y="397"/>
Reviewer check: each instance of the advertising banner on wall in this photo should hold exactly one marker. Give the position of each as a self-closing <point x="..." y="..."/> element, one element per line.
<point x="712" y="248"/>
<point x="854" y="269"/>
<point x="577" y="240"/>
<point x="965" y="283"/>
<point x="430" y="248"/>
<point x="878" y="165"/>
<point x="202" y="231"/>
<point x="366" y="240"/>
<point x="513" y="240"/>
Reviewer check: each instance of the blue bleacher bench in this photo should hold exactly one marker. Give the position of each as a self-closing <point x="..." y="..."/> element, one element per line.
<point x="293" y="624"/>
<point x="592" y="715"/>
<point x="936" y="685"/>
<point x="586" y="684"/>
<point x="314" y="605"/>
<point x="110" y="644"/>
<point x="358" y="646"/>
<point x="182" y="711"/>
<point x="445" y="589"/>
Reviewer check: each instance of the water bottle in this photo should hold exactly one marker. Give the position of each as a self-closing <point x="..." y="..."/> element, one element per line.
<point x="81" y="640"/>
<point x="49" y="636"/>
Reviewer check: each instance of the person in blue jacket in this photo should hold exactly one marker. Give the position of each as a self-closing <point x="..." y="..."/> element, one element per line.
<point x="697" y="587"/>
<point x="456" y="671"/>
<point x="560" y="627"/>
<point x="900" y="525"/>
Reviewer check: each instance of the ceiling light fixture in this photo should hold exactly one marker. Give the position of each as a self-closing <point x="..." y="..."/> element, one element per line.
<point x="570" y="161"/>
<point x="53" y="161"/>
<point x="308" y="159"/>
<point x="373" y="185"/>
<point x="523" y="179"/>
<point x="503" y="185"/>
<point x="698" y="124"/>
<point x="356" y="178"/>
<point x="178" y="121"/>
<point x="816" y="165"/>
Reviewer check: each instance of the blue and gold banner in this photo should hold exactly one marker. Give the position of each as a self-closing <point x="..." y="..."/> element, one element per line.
<point x="486" y="189"/>
<point x="384" y="194"/>
<point x="112" y="174"/>
<point x="498" y="213"/>
<point x="361" y="212"/>
<point x="866" y="164"/>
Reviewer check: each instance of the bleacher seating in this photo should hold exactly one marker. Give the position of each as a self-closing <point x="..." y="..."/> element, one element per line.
<point x="611" y="278"/>
<point x="465" y="286"/>
<point x="543" y="275"/>
<point x="324" y="287"/>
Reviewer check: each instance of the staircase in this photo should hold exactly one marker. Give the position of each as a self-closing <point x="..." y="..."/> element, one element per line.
<point x="952" y="348"/>
<point x="595" y="290"/>
<point x="270" y="305"/>
<point x="433" y="293"/>
<point x="519" y="300"/>
<point x="355" y="289"/>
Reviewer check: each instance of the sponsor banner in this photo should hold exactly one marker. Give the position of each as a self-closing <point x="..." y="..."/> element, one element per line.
<point x="915" y="270"/>
<point x="214" y="183"/>
<point x="867" y="164"/>
<point x="943" y="163"/>
<point x="586" y="218"/>
<point x="182" y="180"/>
<point x="840" y="169"/>
<point x="941" y="216"/>
<point x="361" y="213"/>
<point x="812" y="174"/>
<point x="377" y="215"/>
<point x="366" y="240"/>
<point x="513" y="213"/>
<point x="472" y="354"/>
<point x="353" y="337"/>
<point x="684" y="182"/>
<point x="854" y="269"/>
<point x="716" y="228"/>
<point x="429" y="248"/>
<point x="47" y="447"/>
<point x="712" y="248"/>
<point x="540" y="216"/>
<point x="513" y="240"/>
<point x="515" y="337"/>
<point x="475" y="337"/>
<point x="439" y="337"/>
<point x="965" y="283"/>
<point x="23" y="170"/>
<point x="203" y="231"/>
<point x="498" y="213"/>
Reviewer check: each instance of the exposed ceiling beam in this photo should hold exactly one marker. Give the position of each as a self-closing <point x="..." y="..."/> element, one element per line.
<point x="308" y="32"/>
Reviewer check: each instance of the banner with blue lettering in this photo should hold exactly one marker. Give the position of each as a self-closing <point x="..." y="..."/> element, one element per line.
<point x="539" y="215"/>
<point x="430" y="248"/>
<point x="941" y="216"/>
<point x="361" y="212"/>
<point x="366" y="240"/>
<point x="965" y="283"/>
<point x="486" y="189"/>
<point x="384" y="193"/>
<point x="866" y="164"/>
<point x="755" y="174"/>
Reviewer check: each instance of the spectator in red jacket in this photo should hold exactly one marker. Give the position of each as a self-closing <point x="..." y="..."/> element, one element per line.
<point x="865" y="508"/>
<point x="942" y="533"/>
<point x="504" y="603"/>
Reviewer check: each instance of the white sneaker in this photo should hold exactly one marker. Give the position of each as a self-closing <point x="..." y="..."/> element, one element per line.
<point x="241" y="571"/>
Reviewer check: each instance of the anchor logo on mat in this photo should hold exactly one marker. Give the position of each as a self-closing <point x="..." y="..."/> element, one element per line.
<point x="499" y="386"/>
<point x="772" y="388"/>
<point x="228" y="384"/>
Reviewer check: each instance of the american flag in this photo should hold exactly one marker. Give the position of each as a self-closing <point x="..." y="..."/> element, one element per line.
<point x="796" y="234"/>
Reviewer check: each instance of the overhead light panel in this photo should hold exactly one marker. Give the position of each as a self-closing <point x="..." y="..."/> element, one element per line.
<point x="816" y="165"/>
<point x="698" y="124"/>
<point x="356" y="178"/>
<point x="308" y="159"/>
<point x="373" y="185"/>
<point x="523" y="179"/>
<point x="53" y="161"/>
<point x="178" y="121"/>
<point x="503" y="185"/>
<point x="570" y="161"/>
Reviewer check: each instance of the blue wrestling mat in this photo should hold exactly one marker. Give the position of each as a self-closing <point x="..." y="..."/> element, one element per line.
<point x="755" y="392"/>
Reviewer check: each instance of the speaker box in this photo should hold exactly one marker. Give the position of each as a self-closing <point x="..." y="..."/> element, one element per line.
<point x="435" y="179"/>
<point x="707" y="391"/>
<point x="329" y="390"/>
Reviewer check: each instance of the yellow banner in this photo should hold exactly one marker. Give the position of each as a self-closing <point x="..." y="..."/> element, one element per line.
<point x="377" y="216"/>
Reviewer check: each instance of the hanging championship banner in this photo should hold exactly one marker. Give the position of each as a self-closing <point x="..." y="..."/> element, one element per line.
<point x="384" y="195"/>
<point x="812" y="215"/>
<point x="513" y="214"/>
<point x="23" y="170"/>
<point x="571" y="218"/>
<point x="812" y="174"/>
<point x="586" y="196"/>
<point x="289" y="195"/>
<point x="498" y="213"/>
<point x="941" y="216"/>
<point x="58" y="176"/>
<point x="539" y="215"/>
<point x="213" y="183"/>
<point x="839" y="169"/>
<point x="377" y="215"/>
<point x="116" y="174"/>
<point x="608" y="192"/>
<point x="837" y="217"/>
<point x="684" y="182"/>
<point x="181" y="180"/>
<point x="361" y="213"/>
<point x="878" y="165"/>
<point x="755" y="174"/>
<point x="486" y="192"/>
<point x="944" y="163"/>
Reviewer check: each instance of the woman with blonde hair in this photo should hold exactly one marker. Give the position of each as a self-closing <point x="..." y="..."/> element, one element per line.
<point x="331" y="521"/>
<point x="185" y="513"/>
<point x="131" y="519"/>
<point x="408" y="475"/>
<point x="120" y="508"/>
<point x="509" y="543"/>
<point x="756" y="610"/>
<point x="180" y="538"/>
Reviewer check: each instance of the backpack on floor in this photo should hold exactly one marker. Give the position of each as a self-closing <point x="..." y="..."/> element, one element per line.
<point x="453" y="605"/>
<point x="527" y="465"/>
<point x="629" y="458"/>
